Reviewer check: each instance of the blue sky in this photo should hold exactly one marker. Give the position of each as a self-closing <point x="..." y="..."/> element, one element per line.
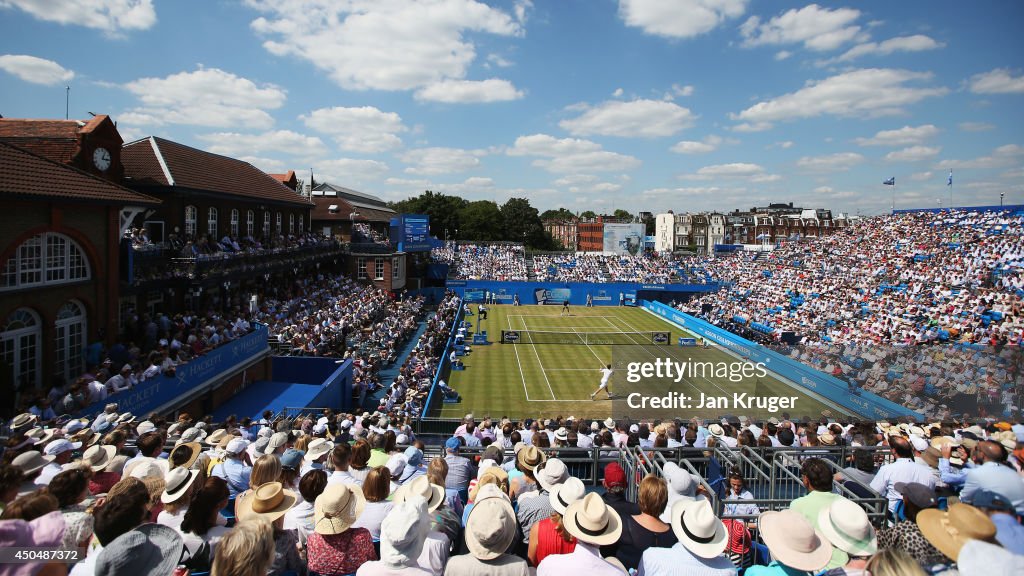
<point x="589" y="104"/>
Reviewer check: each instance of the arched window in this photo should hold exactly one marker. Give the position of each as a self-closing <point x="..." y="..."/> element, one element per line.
<point x="19" y="347"/>
<point x="69" y="341"/>
<point x="211" y="223"/>
<point x="250" y="224"/>
<point x="266" y="223"/>
<point x="278" y="222"/>
<point x="291" y="223"/>
<point x="301" y="229"/>
<point x="234" y="222"/>
<point x="44" y="259"/>
<point x="191" y="219"/>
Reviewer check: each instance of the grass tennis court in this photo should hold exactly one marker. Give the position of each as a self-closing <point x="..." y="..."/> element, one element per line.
<point x="531" y="380"/>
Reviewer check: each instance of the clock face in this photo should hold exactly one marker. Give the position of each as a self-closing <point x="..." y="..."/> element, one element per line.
<point x="101" y="158"/>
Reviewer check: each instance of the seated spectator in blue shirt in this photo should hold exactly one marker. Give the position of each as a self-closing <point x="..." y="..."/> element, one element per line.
<point x="993" y="474"/>
<point x="1009" y="531"/>
<point x="236" y="468"/>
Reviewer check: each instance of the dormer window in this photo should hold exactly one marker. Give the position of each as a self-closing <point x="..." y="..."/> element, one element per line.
<point x="333" y="208"/>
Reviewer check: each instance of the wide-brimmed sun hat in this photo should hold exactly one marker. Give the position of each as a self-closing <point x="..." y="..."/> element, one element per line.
<point x="698" y="529"/>
<point x="147" y="550"/>
<point x="98" y="457"/>
<point x="420" y="486"/>
<point x="31" y="462"/>
<point x="337" y="508"/>
<point x="176" y="483"/>
<point x="793" y="541"/>
<point x="215" y="437"/>
<point x="846" y="525"/>
<point x="194" y="449"/>
<point x="551" y="474"/>
<point x="318" y="448"/>
<point x="491" y="525"/>
<point x="530" y="457"/>
<point x="566" y="493"/>
<point x="592" y="521"/>
<point x="404" y="531"/>
<point x="270" y="500"/>
<point x="949" y="530"/>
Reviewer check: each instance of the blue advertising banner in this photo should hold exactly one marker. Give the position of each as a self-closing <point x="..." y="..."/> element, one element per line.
<point x="218" y="363"/>
<point x="865" y="404"/>
<point x="577" y="293"/>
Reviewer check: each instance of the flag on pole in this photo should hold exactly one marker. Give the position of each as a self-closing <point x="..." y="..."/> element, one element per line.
<point x="950" y="181"/>
<point x="890" y="181"/>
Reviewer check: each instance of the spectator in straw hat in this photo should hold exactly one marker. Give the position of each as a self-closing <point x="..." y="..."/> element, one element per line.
<point x="548" y="536"/>
<point x="949" y="530"/>
<point x="702" y="538"/>
<point x="794" y="544"/>
<point x="402" y="536"/>
<point x="593" y="524"/>
<point x="30" y="463"/>
<point x="179" y="484"/>
<point x="528" y="458"/>
<point x="335" y="547"/>
<point x="847" y="527"/>
<point x="316" y="453"/>
<point x="272" y="501"/>
<point x="490" y="532"/>
<point x="535" y="506"/>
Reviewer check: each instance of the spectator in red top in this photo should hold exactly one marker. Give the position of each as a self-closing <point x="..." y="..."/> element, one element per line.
<point x="548" y="536"/>
<point x="335" y="547"/>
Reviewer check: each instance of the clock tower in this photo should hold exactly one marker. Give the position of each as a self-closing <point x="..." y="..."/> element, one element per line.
<point x="99" y="145"/>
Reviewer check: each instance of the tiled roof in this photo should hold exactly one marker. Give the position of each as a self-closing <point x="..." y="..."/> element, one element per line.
<point x="25" y="174"/>
<point x="360" y="198"/>
<point x="157" y="161"/>
<point x="344" y="211"/>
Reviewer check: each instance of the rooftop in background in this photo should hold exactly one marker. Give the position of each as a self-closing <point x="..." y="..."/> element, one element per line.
<point x="28" y="175"/>
<point x="339" y="203"/>
<point x="58" y="140"/>
<point x="155" y="161"/>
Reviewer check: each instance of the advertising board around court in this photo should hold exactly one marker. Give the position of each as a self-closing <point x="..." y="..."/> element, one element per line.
<point x="577" y="293"/>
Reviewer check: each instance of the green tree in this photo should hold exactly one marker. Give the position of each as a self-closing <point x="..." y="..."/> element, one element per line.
<point x="649" y="225"/>
<point x="521" y="222"/>
<point x="560" y="214"/>
<point x="442" y="209"/>
<point x="588" y="214"/>
<point x="623" y="214"/>
<point x="480" y="220"/>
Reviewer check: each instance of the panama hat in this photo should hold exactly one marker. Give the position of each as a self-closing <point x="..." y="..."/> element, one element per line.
<point x="551" y="473"/>
<point x="948" y="530"/>
<point x="566" y="493"/>
<point x="317" y="448"/>
<point x="698" y="529"/>
<point x="126" y="418"/>
<point x="827" y="439"/>
<point x="793" y="541"/>
<point x="215" y="437"/>
<point x="609" y="423"/>
<point x="176" y="483"/>
<point x="31" y="462"/>
<point x="86" y="437"/>
<point x="269" y="500"/>
<point x="98" y="457"/>
<point x="421" y="486"/>
<point x="147" y="550"/>
<point x="530" y="457"/>
<point x="491" y="524"/>
<point x="23" y="420"/>
<point x="716" y="430"/>
<point x="845" y="524"/>
<point x="592" y="521"/>
<point x="193" y="448"/>
<point x="337" y="508"/>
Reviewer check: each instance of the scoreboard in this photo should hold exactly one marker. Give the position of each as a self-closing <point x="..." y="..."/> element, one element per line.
<point x="412" y="232"/>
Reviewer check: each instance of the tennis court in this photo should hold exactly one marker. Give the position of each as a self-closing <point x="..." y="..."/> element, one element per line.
<point x="537" y="377"/>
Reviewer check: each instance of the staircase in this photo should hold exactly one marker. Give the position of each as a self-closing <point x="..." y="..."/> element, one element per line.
<point x="530" y="275"/>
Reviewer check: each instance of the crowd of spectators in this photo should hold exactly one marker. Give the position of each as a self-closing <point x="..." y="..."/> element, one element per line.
<point x="643" y="268"/>
<point x="504" y="262"/>
<point x="363" y="233"/>
<point x="337" y="494"/>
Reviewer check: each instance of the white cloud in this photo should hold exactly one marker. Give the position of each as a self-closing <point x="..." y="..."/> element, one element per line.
<point x="617" y="93"/>
<point x="1001" y="157"/>
<point x="498" y="60"/>
<point x="839" y="162"/>
<point x="915" y="43"/>
<point x="575" y="180"/>
<point x="684" y="91"/>
<point x="111" y="16"/>
<point x="469" y="91"/>
<point x="205" y="97"/>
<point x="976" y="126"/>
<point x="921" y="176"/>
<point x="35" y="70"/>
<point x="823" y="189"/>
<point x="378" y="45"/>
<point x="679" y="18"/>
<point x="782" y="55"/>
<point x="735" y="170"/>
<point x="913" y="154"/>
<point x="815" y="27"/>
<point x="752" y="127"/>
<point x="998" y="81"/>
<point x="349" y="171"/>
<point x="785" y="144"/>
<point x="571" y="155"/>
<point x="282" y="141"/>
<point x="709" y="144"/>
<point x="364" y="129"/>
<point x="905" y="136"/>
<point x="439" y="160"/>
<point x="635" y="119"/>
<point x="868" y="92"/>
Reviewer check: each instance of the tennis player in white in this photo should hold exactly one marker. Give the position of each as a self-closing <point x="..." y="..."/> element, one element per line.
<point x="606" y="375"/>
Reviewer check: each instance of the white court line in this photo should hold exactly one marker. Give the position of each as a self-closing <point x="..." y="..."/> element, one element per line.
<point x="521" y="375"/>
<point x="539" y="363"/>
<point x="599" y="359"/>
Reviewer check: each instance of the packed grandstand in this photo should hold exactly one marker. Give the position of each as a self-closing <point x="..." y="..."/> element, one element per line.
<point x="378" y="491"/>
